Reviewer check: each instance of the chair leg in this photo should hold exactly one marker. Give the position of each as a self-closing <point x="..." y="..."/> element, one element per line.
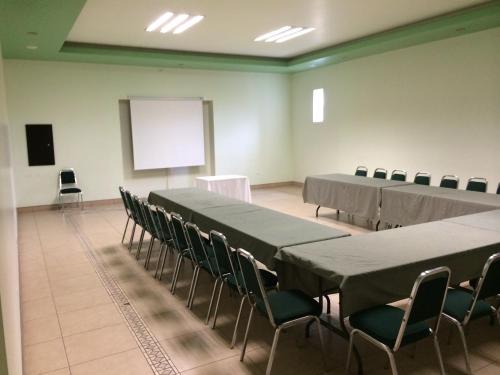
<point x="160" y="257"/>
<point x="193" y="278"/>
<point x="193" y="293"/>
<point x="132" y="237"/>
<point x="464" y="344"/>
<point x="139" y="246"/>
<point x="438" y="353"/>
<point x="150" y="252"/>
<point x="245" y="340"/>
<point x="322" y="341"/>
<point x="273" y="351"/>
<point x="216" y="311"/>
<point x="392" y="362"/>
<point x="349" y="353"/>
<point x="125" y="230"/>
<point x="216" y="283"/>
<point x="81" y="200"/>
<point x="177" y="269"/>
<point x="235" y="332"/>
<point x="167" y="250"/>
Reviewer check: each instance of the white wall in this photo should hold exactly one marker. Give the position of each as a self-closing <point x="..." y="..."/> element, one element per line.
<point x="433" y="107"/>
<point x="250" y="117"/>
<point x="9" y="263"/>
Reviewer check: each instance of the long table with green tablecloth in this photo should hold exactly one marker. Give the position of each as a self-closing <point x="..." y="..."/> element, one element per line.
<point x="415" y="204"/>
<point x="357" y="195"/>
<point x="259" y="230"/>
<point x="489" y="220"/>
<point x="381" y="267"/>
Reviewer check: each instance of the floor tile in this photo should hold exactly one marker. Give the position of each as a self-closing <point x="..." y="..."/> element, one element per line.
<point x="41" y="330"/>
<point x="44" y="357"/>
<point x="38" y="308"/>
<point x="75" y="284"/>
<point x="89" y="319"/>
<point x="82" y="300"/>
<point x="127" y="363"/>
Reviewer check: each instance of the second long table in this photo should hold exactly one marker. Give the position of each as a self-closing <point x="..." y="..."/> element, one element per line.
<point x="261" y="231"/>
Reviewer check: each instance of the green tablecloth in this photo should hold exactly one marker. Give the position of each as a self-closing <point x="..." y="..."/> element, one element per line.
<point x="381" y="267"/>
<point x="485" y="220"/>
<point x="356" y="195"/>
<point x="259" y="230"/>
<point x="415" y="204"/>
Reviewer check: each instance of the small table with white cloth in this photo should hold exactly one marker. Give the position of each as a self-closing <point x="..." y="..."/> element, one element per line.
<point x="232" y="186"/>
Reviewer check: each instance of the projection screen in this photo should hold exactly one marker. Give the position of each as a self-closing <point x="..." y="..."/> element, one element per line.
<point x="167" y="133"/>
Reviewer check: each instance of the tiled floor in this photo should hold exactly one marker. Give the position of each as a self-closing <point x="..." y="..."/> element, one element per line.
<point x="90" y="308"/>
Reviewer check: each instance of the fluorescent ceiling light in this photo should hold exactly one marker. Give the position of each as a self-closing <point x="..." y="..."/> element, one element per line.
<point x="159" y="21"/>
<point x="176" y="21"/>
<point x="189" y="23"/>
<point x="282" y="35"/>
<point x="272" y="33"/>
<point x="301" y="32"/>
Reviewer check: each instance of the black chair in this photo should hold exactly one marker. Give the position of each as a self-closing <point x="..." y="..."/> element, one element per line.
<point x="127" y="210"/>
<point x="422" y="178"/>
<point x="168" y="244"/>
<point x="68" y="184"/>
<point x="283" y="309"/>
<point x="398" y="175"/>
<point x="380" y="173"/>
<point x="449" y="181"/>
<point x="151" y="216"/>
<point x="361" y="171"/>
<point x="463" y="305"/>
<point x="498" y="188"/>
<point x="180" y="245"/>
<point x="479" y="184"/>
<point x="390" y="328"/>
<point x="130" y="202"/>
<point x="142" y="223"/>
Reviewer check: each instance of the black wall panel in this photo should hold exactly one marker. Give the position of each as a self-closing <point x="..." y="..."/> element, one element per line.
<point x="40" y="144"/>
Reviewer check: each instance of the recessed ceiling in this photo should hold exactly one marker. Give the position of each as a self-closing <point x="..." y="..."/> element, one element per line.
<point x="230" y="26"/>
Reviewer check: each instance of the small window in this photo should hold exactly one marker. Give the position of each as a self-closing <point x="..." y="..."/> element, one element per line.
<point x="318" y="106"/>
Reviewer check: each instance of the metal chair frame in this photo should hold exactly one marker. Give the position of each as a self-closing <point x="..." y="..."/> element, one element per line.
<point x="477" y="179"/>
<point x="155" y="232"/>
<point x="423" y="174"/>
<point x="400" y="172"/>
<point x="142" y="222"/>
<point x="277" y="328"/>
<point x="177" y="245"/>
<point x="449" y="177"/>
<point x="434" y="330"/>
<point x="127" y="210"/>
<point x="462" y="325"/>
<point x="69" y="185"/>
<point x="361" y="168"/>
<point x="382" y="170"/>
<point x="130" y="201"/>
<point x="168" y="243"/>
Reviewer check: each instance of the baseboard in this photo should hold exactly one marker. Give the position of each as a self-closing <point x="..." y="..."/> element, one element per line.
<point x="277" y="184"/>
<point x="49" y="207"/>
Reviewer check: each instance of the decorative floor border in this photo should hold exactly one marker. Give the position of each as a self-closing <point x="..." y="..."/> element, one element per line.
<point x="157" y="358"/>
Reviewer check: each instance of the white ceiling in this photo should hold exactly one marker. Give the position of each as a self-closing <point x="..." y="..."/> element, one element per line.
<point x="231" y="25"/>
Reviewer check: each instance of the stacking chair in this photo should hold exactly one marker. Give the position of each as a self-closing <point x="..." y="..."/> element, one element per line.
<point x="398" y="175"/>
<point x="168" y="242"/>
<point x="498" y="188"/>
<point x="141" y="221"/>
<point x="422" y="178"/>
<point x="283" y="308"/>
<point x="69" y="185"/>
<point x="180" y="245"/>
<point x="389" y="327"/>
<point x="361" y="171"/>
<point x="380" y="173"/>
<point x="127" y="210"/>
<point x="449" y="181"/>
<point x="155" y="231"/>
<point x="479" y="184"/>
<point x="200" y="258"/>
<point x="463" y="305"/>
<point x="130" y="202"/>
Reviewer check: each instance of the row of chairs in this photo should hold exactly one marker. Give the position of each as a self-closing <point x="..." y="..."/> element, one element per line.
<point x="386" y="326"/>
<point x="479" y="184"/>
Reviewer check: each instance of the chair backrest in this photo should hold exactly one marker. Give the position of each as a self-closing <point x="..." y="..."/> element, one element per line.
<point x="498" y="188"/>
<point x="196" y="243"/>
<point x="165" y="225"/>
<point x="253" y="284"/>
<point x="449" y="181"/>
<point x="131" y="206"/>
<point x="479" y="184"/>
<point x="398" y="175"/>
<point x="380" y="173"/>
<point x="426" y="300"/>
<point x="138" y="210"/>
<point x="180" y="240"/>
<point x="149" y="215"/>
<point x="361" y="171"/>
<point x="488" y="284"/>
<point x="124" y="199"/>
<point x="67" y="176"/>
<point x="224" y="257"/>
<point x="422" y="178"/>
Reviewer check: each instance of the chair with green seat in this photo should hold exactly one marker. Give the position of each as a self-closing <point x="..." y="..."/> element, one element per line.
<point x="463" y="305"/>
<point x="200" y="258"/>
<point x="380" y="173"/>
<point x="479" y="184"/>
<point x="155" y="230"/>
<point x="398" y="175"/>
<point x="390" y="328"/>
<point x="230" y="275"/>
<point x="127" y="210"/>
<point x="147" y="226"/>
<point x="361" y="171"/>
<point x="283" y="308"/>
<point x="133" y="213"/>
<point x="166" y="229"/>
<point x="449" y="181"/>
<point x="498" y="188"/>
<point x="422" y="178"/>
<point x="141" y="220"/>
<point x="180" y="245"/>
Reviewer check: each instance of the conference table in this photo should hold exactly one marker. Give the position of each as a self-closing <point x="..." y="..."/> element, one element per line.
<point x="489" y="220"/>
<point x="415" y="204"/>
<point x="357" y="195"/>
<point x="261" y="231"/>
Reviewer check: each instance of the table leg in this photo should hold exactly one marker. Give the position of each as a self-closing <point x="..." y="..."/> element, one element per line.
<point x="317" y="209"/>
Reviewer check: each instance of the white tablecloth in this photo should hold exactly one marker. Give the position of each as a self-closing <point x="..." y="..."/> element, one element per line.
<point x="233" y="186"/>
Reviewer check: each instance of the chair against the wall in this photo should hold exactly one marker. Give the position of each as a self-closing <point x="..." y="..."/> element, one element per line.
<point x="361" y="171"/>
<point x="422" y="178"/>
<point x="380" y="173"/>
<point x="479" y="184"/>
<point x="127" y="210"/>
<point x="68" y="184"/>
<point x="398" y="175"/>
<point x="449" y="181"/>
<point x="498" y="188"/>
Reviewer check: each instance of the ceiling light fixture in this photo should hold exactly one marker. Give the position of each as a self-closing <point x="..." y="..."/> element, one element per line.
<point x="272" y="33"/>
<point x="189" y="23"/>
<point x="176" y="21"/>
<point x="282" y="35"/>
<point x="301" y="32"/>
<point x="159" y="21"/>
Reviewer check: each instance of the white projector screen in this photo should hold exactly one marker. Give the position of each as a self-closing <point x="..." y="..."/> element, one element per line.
<point x="167" y="133"/>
